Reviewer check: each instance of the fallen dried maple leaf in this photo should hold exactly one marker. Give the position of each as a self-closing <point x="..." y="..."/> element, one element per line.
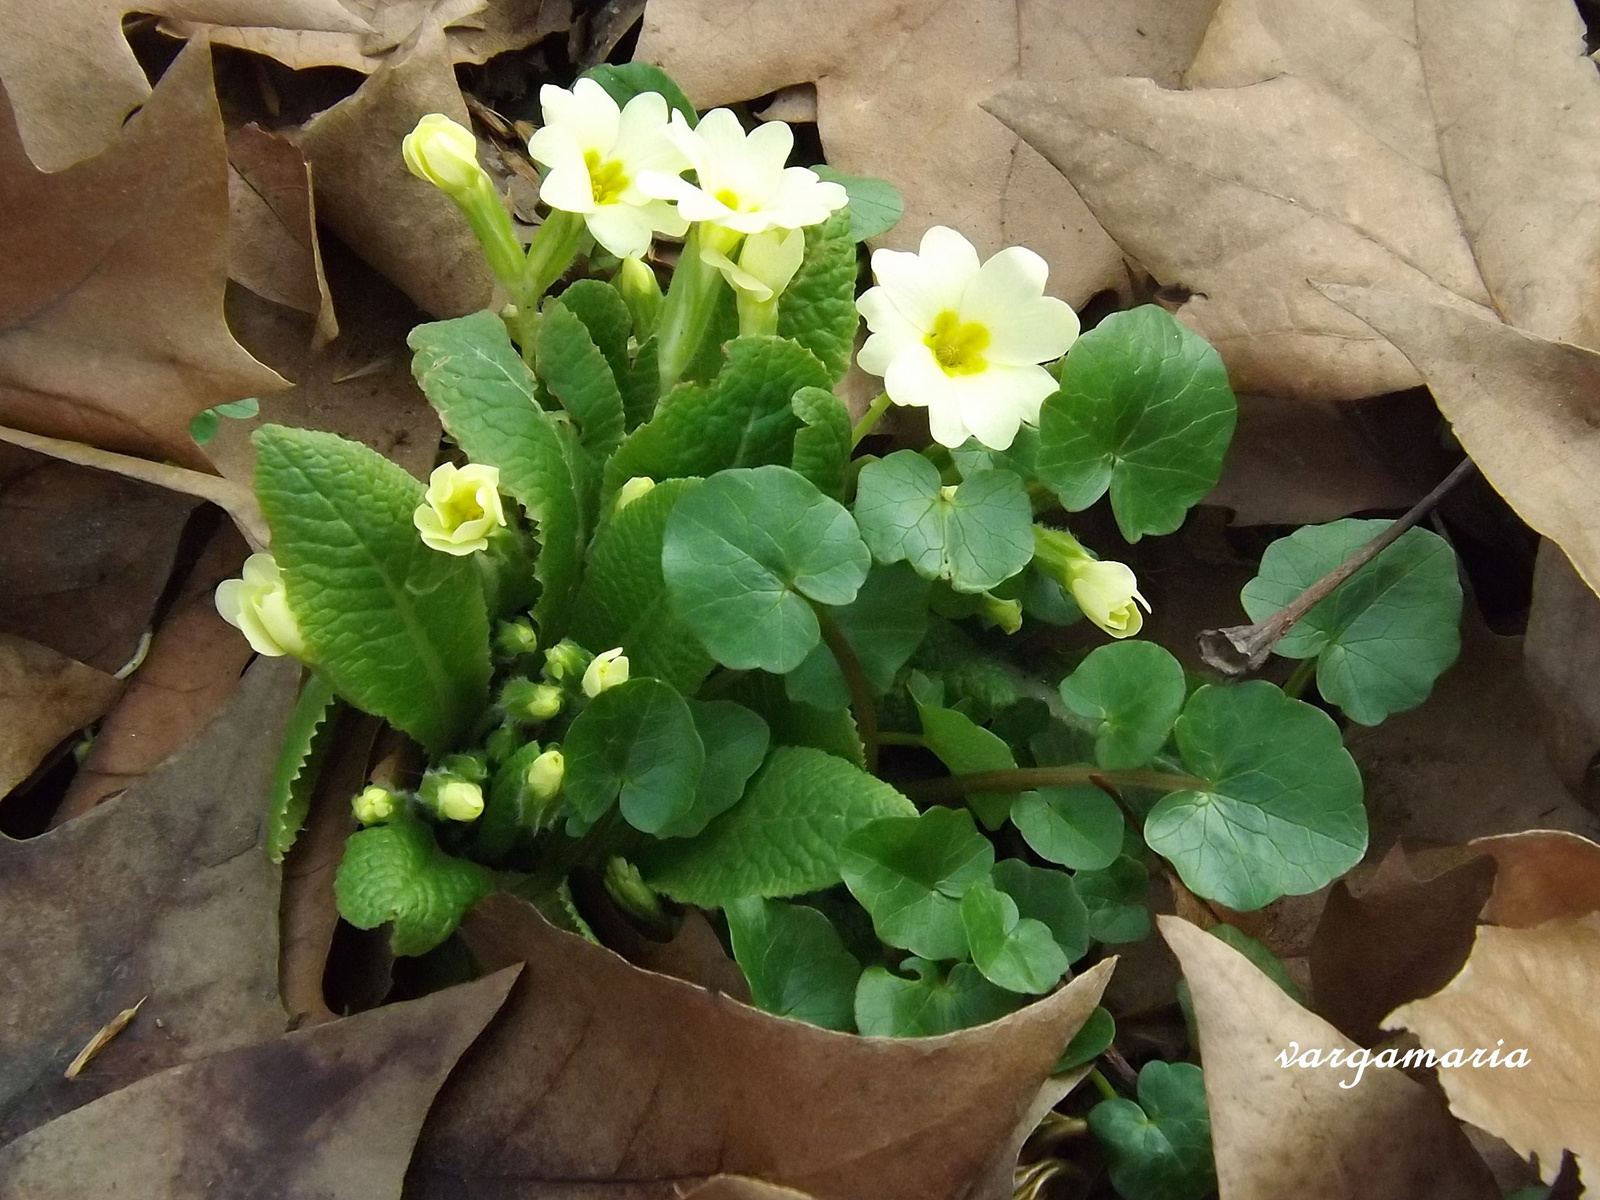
<point x="44" y="696"/>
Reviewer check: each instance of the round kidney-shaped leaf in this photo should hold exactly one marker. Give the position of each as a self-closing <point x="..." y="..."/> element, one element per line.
<point x="1013" y="951"/>
<point x="636" y="744"/>
<point x="889" y="1005"/>
<point x="1159" y="1148"/>
<point x="1132" y="693"/>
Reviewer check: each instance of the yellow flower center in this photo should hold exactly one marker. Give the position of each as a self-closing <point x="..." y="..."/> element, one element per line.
<point x="607" y="179"/>
<point x="729" y="197"/>
<point x="459" y="508"/>
<point x="958" y="347"/>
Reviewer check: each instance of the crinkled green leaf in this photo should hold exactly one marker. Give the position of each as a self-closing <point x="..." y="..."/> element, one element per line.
<point x="976" y="537"/>
<point x="1159" y="1148"/>
<point x="795" y="961"/>
<point x="605" y="315"/>
<point x="305" y="741"/>
<point x="822" y="443"/>
<point x="782" y="839"/>
<point x="884" y="624"/>
<point x="818" y="308"/>
<point x="1047" y="895"/>
<point x="1013" y="951"/>
<point x="1382" y="636"/>
<point x="876" y="205"/>
<point x="1280" y="813"/>
<point x="634" y="744"/>
<point x="910" y="873"/>
<point x="623" y="600"/>
<point x="745" y="553"/>
<point x="398" y="629"/>
<point x="1112" y="896"/>
<point x="735" y="741"/>
<point x="1089" y="1043"/>
<point x="1131" y="693"/>
<point x="396" y="872"/>
<point x="579" y="376"/>
<point x="1145" y="411"/>
<point x="889" y="1005"/>
<point x="624" y="81"/>
<point x="796" y="723"/>
<point x="641" y="386"/>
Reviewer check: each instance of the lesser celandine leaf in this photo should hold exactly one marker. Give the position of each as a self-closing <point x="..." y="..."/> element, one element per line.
<point x="795" y="962"/>
<point x="396" y="872"/>
<point x="890" y="1005"/>
<point x="1013" y="952"/>
<point x="398" y="629"/>
<point x="822" y="443"/>
<point x="578" y="375"/>
<point x="1382" y="636"/>
<point x="746" y="552"/>
<point x="973" y="456"/>
<point x="1050" y="896"/>
<point x="977" y="536"/>
<point x="624" y="81"/>
<point x="966" y="748"/>
<point x="876" y="205"/>
<point x="1159" y="1148"/>
<point x="1131" y="693"/>
<point x="1112" y="896"/>
<point x="1078" y="827"/>
<point x="884" y="624"/>
<point x="818" y="308"/>
<point x="1280" y="813"/>
<point x="1089" y="1043"/>
<point x="634" y="744"/>
<point x="781" y="839"/>
<point x="1145" y="411"/>
<point x="735" y="741"/>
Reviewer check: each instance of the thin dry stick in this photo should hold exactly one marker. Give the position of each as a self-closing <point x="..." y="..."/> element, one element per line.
<point x="102" y="1039"/>
<point x="1240" y="649"/>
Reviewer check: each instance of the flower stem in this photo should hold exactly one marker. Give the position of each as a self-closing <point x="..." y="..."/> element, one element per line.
<point x="869" y="419"/>
<point x="861" y="702"/>
<point x="1023" y="779"/>
<point x="1102" y="1085"/>
<point x="691" y="302"/>
<point x="1300" y="676"/>
<point x="549" y="256"/>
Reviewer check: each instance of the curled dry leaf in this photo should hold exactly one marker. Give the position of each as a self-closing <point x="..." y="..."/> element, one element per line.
<point x="44" y="696"/>
<point x="1561" y="656"/>
<point x="898" y="93"/>
<point x="1407" y="145"/>
<point x="600" y="1073"/>
<point x="1530" y="989"/>
<point x="1541" y="875"/>
<point x="330" y="1112"/>
<point x="165" y="891"/>
<point x="111" y="325"/>
<point x="1293" y="1131"/>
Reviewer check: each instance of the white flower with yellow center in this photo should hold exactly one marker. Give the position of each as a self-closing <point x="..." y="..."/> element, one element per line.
<point x="461" y="508"/>
<point x="257" y="605"/>
<point x="743" y="185"/>
<point x="595" y="153"/>
<point x="1109" y="595"/>
<point x="965" y="340"/>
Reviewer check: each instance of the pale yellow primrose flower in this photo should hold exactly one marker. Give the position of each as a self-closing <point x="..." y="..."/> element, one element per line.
<point x="258" y="607"/>
<point x="1109" y="595"/>
<point x="461" y="509"/>
<point x="443" y="153"/>
<point x="767" y="263"/>
<point x="595" y="154"/>
<point x="962" y="340"/>
<point x="545" y="774"/>
<point x="743" y="185"/>
<point x="606" y="671"/>
<point x="374" y="805"/>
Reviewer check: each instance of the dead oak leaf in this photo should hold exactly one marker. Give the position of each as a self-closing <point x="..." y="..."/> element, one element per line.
<point x="44" y="696"/>
<point x="1437" y="148"/>
<point x="330" y="1112"/>
<point x="111" y="325"/>
<point x="1540" y="875"/>
<point x="1530" y="989"/>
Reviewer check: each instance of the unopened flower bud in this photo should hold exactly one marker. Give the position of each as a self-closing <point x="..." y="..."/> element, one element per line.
<point x="606" y="671"/>
<point x="630" y="893"/>
<point x="565" y="660"/>
<point x="529" y="702"/>
<point x="473" y="767"/>
<point x="545" y="775"/>
<point x="461" y="508"/>
<point x="443" y="153"/>
<point x="1005" y="614"/>
<point x="641" y="291"/>
<point x="257" y="605"/>
<point x="451" y="797"/>
<point x="516" y="638"/>
<point x="638" y="486"/>
<point x="375" y="804"/>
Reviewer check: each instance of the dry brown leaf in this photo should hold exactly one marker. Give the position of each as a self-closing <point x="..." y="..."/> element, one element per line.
<point x="166" y="892"/>
<point x="330" y="1113"/>
<point x="600" y="1073"/>
<point x="1439" y="148"/>
<point x="44" y="696"/>
<point x="405" y="227"/>
<point x="1293" y="1131"/>
<point x="1530" y="989"/>
<point x="72" y="77"/>
<point x="1540" y="875"/>
<point x="1561" y="655"/>
<point x="272" y="227"/>
<point x="898" y="89"/>
<point x="111" y="326"/>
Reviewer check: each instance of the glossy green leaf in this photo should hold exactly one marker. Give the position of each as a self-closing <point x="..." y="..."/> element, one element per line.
<point x="890" y="1005"/>
<point x="822" y="443"/>
<point x="978" y="535"/>
<point x="396" y="872"/>
<point x="876" y="205"/>
<point x="624" y="81"/>
<point x="972" y="456"/>
<point x="796" y="723"/>
<point x="1089" y="1043"/>
<point x="1112" y="897"/>
<point x="1159" y="1148"/>
<point x="818" y="308"/>
<point x="1130" y="693"/>
<point x="305" y="741"/>
<point x="1280" y="813"/>
<point x="735" y="741"/>
<point x="782" y="839"/>
<point x="1047" y="895"/>
<point x="634" y="744"/>
<point x="398" y="629"/>
<point x="795" y="962"/>
<point x="746" y="552"/>
<point x="884" y="624"/>
<point x="966" y="747"/>
<point x="1078" y="827"/>
<point x="1145" y="411"/>
<point x="1382" y="636"/>
<point x="579" y="376"/>
<point x="1013" y="952"/>
<point x="910" y="873"/>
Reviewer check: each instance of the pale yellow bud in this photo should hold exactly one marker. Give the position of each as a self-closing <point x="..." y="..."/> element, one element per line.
<point x="461" y="509"/>
<point x="458" y="800"/>
<point x="443" y="153"/>
<point x="374" y="805"/>
<point x="638" y="486"/>
<point x="257" y="605"/>
<point x="545" y="774"/>
<point x="1108" y="593"/>
<point x="606" y="671"/>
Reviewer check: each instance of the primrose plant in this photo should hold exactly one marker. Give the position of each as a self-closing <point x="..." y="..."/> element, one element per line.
<point x="661" y="629"/>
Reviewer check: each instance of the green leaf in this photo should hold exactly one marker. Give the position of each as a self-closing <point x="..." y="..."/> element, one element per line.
<point x="304" y="743"/>
<point x="203" y="426"/>
<point x="966" y="748"/>
<point x="578" y="375"/>
<point x="1280" y="813"/>
<point x="735" y="741"/>
<point x="641" y="386"/>
<point x="1078" y="827"/>
<point x="1159" y="1148"/>
<point x="818" y="308"/>
<point x="1144" y="410"/>
<point x="239" y="410"/>
<point x="884" y="624"/>
<point x="782" y="839"/>
<point x="822" y="443"/>
<point x="910" y="873"/>
<point x="977" y="537"/>
<point x="744" y="553"/>
<point x="1013" y="952"/>
<point x="396" y="872"/>
<point x="504" y="820"/>
<point x="1112" y="897"/>
<point x="795" y="723"/>
<point x="875" y="204"/>
<point x="624" y="81"/>
<point x="742" y="419"/>
<point x="1047" y="895"/>
<point x="487" y="399"/>
<point x="796" y="964"/>
<point x="1382" y="636"/>
<point x="605" y="315"/>
<point x="713" y="353"/>
<point x="1089" y="1043"/>
<point x="1131" y="693"/>
<point x="398" y="629"/>
<point x="972" y="456"/>
<point x="889" y="1005"/>
<point x="634" y="744"/>
<point x="623" y="600"/>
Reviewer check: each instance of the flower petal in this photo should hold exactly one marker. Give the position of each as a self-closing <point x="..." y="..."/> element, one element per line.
<point x="567" y="186"/>
<point x="1025" y="326"/>
<point x="587" y="111"/>
<point x="917" y="286"/>
<point x="621" y="228"/>
<point x="915" y="379"/>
